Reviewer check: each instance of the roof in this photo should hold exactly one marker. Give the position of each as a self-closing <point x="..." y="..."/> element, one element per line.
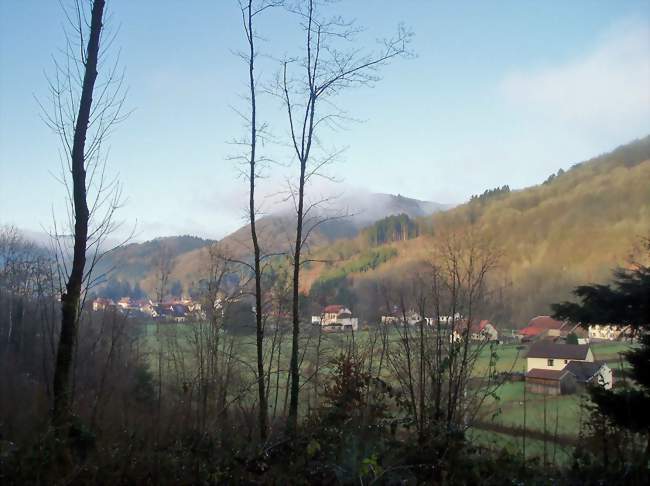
<point x="546" y="374"/>
<point x="545" y="322"/>
<point x="582" y="370"/>
<point x="531" y="331"/>
<point x="547" y="349"/>
<point x="333" y="309"/>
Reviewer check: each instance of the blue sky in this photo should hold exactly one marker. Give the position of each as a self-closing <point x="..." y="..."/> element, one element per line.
<point x="498" y="93"/>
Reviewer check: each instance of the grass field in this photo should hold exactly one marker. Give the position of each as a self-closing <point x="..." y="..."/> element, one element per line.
<point x="505" y="411"/>
<point x="510" y="357"/>
<point x="562" y="411"/>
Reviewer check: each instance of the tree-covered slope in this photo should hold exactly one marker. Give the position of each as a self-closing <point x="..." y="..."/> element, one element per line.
<point x="572" y="228"/>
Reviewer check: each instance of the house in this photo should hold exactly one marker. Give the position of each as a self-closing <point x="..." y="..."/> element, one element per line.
<point x="331" y="312"/>
<point x="411" y="317"/>
<point x="336" y="318"/>
<point x="389" y="320"/>
<point x="548" y="363"/>
<point x="125" y="303"/>
<point x="541" y="326"/>
<point x="607" y="332"/>
<point x="546" y="355"/>
<point x="483" y="330"/>
<point x="596" y="373"/>
<point x="102" y="304"/>
<point x="394" y="317"/>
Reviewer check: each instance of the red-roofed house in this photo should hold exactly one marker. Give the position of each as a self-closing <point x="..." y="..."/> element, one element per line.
<point x="336" y="318"/>
<point x="541" y="326"/>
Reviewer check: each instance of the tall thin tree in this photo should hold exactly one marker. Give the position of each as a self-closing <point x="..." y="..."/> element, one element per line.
<point x="83" y="112"/>
<point x="71" y="298"/>
<point x="325" y="71"/>
<point x="250" y="9"/>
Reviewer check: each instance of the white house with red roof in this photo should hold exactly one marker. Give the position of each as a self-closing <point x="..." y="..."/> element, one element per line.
<point x="336" y="318"/>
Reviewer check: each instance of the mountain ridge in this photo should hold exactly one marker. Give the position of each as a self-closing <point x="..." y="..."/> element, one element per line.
<point x="134" y="262"/>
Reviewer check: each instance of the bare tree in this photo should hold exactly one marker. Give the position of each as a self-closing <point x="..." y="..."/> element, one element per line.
<point x="83" y="112"/>
<point x="163" y="263"/>
<point x="325" y="70"/>
<point x="22" y="267"/>
<point x="250" y="10"/>
<point x="207" y="336"/>
<point x="434" y="361"/>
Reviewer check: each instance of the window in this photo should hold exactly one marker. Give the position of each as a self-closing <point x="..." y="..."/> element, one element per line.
<point x="550" y="362"/>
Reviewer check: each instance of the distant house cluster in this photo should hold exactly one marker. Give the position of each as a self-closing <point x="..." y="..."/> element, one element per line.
<point x="558" y="368"/>
<point x="173" y="311"/>
<point x="456" y="325"/>
<point x="336" y="318"/>
<point x="609" y="332"/>
<point x="547" y="328"/>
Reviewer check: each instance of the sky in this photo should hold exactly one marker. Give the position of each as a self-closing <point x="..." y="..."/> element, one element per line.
<point x="495" y="93"/>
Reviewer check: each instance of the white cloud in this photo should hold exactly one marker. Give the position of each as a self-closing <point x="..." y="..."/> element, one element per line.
<point x="606" y="91"/>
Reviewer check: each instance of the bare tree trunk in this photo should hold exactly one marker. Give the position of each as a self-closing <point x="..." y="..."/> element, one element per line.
<point x="71" y="298"/>
<point x="292" y="420"/>
<point x="248" y="14"/>
<point x="321" y="78"/>
<point x="523" y="462"/>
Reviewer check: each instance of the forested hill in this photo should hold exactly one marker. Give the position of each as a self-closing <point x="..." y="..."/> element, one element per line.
<point x="570" y="229"/>
<point x="134" y="263"/>
<point x="392" y="228"/>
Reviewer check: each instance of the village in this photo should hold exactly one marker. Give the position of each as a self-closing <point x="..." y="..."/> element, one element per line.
<point x="559" y="356"/>
<point x="179" y="310"/>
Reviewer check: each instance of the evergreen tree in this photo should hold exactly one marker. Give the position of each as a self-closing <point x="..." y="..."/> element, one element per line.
<point x="624" y="302"/>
